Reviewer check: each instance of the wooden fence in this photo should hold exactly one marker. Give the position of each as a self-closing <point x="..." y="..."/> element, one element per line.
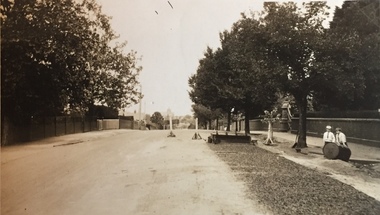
<point x="62" y="125"/>
<point x="44" y="127"/>
<point x="365" y="131"/>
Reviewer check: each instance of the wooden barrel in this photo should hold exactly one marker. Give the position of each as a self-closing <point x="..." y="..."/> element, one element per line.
<point x="209" y="139"/>
<point x="333" y="151"/>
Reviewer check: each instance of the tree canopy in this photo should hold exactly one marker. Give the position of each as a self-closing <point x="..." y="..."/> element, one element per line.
<point x="232" y="76"/>
<point x="58" y="57"/>
<point x="205" y="115"/>
<point x="286" y="50"/>
<point x="208" y="91"/>
<point x="253" y="90"/>
<point x="157" y="118"/>
<point x="353" y="44"/>
<point x="294" y="41"/>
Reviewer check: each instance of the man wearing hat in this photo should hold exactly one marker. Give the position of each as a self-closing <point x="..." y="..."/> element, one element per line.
<point x="340" y="137"/>
<point x="328" y="136"/>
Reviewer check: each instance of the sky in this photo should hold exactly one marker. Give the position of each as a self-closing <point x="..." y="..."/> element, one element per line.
<point x="171" y="39"/>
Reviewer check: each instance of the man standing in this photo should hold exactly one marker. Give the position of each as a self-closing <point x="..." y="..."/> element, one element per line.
<point x="328" y="136"/>
<point x="340" y="137"/>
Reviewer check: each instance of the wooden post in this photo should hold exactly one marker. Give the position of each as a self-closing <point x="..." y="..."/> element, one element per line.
<point x="196" y="135"/>
<point x="171" y="134"/>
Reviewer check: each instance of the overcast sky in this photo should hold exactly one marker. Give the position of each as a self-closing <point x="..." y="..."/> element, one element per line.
<point x="172" y="40"/>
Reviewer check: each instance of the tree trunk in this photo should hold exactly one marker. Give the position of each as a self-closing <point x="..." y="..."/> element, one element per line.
<point x="4" y="131"/>
<point x="270" y="130"/>
<point x="269" y="139"/>
<point x="302" y="107"/>
<point x="217" y="124"/>
<point x="228" y="121"/>
<point x="246" y="122"/>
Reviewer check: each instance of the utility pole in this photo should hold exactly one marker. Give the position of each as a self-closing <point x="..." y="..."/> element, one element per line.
<point x="144" y="110"/>
<point x="140" y="97"/>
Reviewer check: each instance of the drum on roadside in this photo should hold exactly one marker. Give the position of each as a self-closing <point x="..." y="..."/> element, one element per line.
<point x="209" y="139"/>
<point x="333" y="151"/>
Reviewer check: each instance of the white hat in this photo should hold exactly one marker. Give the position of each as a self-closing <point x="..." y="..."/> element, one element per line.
<point x="328" y="127"/>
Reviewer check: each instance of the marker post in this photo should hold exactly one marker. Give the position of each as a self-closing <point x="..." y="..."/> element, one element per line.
<point x="196" y="135"/>
<point x="171" y="134"/>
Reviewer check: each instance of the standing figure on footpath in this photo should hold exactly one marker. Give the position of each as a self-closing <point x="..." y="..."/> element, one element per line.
<point x="340" y="137"/>
<point x="328" y="136"/>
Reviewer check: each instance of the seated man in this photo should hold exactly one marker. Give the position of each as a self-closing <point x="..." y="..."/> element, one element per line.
<point x="340" y="137"/>
<point x="328" y="136"/>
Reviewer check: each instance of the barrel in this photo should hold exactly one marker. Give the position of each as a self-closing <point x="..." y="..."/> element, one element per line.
<point x="209" y="139"/>
<point x="333" y="151"/>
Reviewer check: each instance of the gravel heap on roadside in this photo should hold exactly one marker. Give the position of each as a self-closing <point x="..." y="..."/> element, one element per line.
<point x="285" y="187"/>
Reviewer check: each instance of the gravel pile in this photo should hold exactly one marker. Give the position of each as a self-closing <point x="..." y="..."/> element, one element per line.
<point x="285" y="187"/>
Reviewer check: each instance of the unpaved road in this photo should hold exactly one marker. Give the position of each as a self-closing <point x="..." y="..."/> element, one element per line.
<point x="133" y="172"/>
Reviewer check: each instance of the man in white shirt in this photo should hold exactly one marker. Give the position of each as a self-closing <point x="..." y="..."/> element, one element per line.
<point x="340" y="137"/>
<point x="328" y="136"/>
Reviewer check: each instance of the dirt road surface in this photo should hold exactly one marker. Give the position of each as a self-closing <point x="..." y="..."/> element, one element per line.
<point x="131" y="172"/>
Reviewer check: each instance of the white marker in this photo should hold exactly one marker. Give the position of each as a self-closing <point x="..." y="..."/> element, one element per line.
<point x="171" y="124"/>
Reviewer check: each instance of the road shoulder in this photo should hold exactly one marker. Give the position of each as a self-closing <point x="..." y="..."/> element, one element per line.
<point x="364" y="177"/>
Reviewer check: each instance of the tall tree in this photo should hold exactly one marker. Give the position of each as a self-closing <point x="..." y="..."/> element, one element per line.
<point x="249" y="83"/>
<point x="157" y="118"/>
<point x="57" y="56"/>
<point x="204" y="114"/>
<point x="208" y="84"/>
<point x="203" y="91"/>
<point x="354" y="47"/>
<point x="295" y="36"/>
<point x="232" y="76"/>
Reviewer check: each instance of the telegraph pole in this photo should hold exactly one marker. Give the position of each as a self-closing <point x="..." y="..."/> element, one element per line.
<point x="140" y="97"/>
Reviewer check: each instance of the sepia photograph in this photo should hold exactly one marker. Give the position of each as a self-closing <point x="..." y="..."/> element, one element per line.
<point x="190" y="107"/>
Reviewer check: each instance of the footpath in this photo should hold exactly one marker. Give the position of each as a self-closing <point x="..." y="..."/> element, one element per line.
<point x="359" y="152"/>
<point x="361" y="172"/>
